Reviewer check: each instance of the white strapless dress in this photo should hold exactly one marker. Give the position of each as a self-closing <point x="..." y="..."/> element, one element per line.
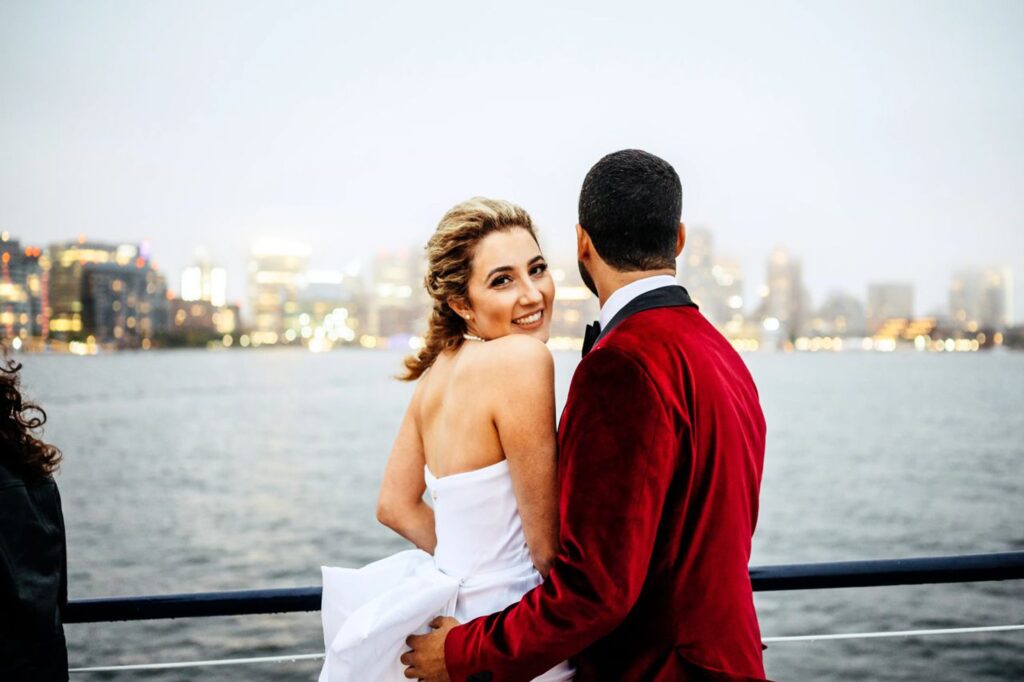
<point x="481" y="565"/>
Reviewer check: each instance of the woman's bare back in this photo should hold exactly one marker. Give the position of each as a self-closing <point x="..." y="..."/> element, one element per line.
<point x="455" y="412"/>
<point x="474" y="407"/>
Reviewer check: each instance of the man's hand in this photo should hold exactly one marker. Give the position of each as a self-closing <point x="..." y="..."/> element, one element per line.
<point x="426" y="660"/>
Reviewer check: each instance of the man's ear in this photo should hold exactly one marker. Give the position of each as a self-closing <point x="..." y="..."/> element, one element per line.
<point x="583" y="244"/>
<point x="680" y="238"/>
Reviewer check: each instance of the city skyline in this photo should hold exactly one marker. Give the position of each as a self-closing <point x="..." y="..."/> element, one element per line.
<point x="193" y="280"/>
<point x="233" y="284"/>
<point x="346" y="127"/>
<point x="116" y="293"/>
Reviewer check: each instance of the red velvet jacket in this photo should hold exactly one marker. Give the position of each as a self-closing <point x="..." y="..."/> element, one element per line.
<point x="661" y="447"/>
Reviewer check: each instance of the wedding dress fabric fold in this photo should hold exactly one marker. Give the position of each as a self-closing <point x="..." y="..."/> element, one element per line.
<point x="481" y="565"/>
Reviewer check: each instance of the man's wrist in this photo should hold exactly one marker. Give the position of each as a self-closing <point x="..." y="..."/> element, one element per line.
<point x="454" y="653"/>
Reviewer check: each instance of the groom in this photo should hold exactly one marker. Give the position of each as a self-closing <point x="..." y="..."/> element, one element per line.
<point x="661" y="447"/>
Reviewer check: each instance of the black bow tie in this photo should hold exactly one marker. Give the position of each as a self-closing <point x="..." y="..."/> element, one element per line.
<point x="590" y="336"/>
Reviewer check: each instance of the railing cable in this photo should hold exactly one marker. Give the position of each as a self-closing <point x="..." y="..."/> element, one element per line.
<point x="197" y="664"/>
<point x="767" y="640"/>
<point x="891" y="633"/>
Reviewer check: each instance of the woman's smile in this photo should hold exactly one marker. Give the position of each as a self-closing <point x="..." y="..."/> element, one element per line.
<point x="530" y="321"/>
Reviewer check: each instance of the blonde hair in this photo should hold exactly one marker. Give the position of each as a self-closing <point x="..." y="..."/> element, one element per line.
<point x="449" y="264"/>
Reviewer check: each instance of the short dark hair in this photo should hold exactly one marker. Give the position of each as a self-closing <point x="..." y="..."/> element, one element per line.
<point x="630" y="205"/>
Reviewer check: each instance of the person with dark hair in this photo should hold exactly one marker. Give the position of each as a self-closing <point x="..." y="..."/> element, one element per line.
<point x="660" y="455"/>
<point x="33" y="558"/>
<point x="630" y="204"/>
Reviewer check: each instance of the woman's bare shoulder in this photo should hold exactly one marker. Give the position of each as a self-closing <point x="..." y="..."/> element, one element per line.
<point x="516" y="348"/>
<point x="509" y="361"/>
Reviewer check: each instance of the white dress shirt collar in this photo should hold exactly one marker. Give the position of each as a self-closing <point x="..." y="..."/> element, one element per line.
<point x="621" y="297"/>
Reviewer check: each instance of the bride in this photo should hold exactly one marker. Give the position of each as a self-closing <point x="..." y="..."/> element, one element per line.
<point x="479" y="436"/>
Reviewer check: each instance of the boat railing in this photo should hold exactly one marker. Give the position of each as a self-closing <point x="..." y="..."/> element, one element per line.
<point x="773" y="578"/>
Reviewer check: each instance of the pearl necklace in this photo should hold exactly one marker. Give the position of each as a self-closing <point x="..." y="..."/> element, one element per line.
<point x="471" y="337"/>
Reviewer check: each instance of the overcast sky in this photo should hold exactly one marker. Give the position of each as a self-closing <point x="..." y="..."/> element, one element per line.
<point x="875" y="141"/>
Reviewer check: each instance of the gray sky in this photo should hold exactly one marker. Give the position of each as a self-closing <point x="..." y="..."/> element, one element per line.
<point x="876" y="141"/>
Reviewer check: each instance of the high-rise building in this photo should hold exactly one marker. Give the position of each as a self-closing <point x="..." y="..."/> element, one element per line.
<point x="68" y="261"/>
<point x="37" y="272"/>
<point x="727" y="305"/>
<point x="124" y="304"/>
<point x="713" y="282"/>
<point x="694" y="269"/>
<point x="783" y="298"/>
<point x="156" y="309"/>
<point x="888" y="301"/>
<point x="276" y="273"/>
<point x="16" y="302"/>
<point x="111" y="298"/>
<point x="204" y="281"/>
<point x="982" y="298"/>
<point x="112" y="292"/>
<point x="398" y="304"/>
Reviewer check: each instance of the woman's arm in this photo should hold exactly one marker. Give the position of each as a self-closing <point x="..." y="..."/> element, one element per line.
<point x="400" y="505"/>
<point x="524" y="415"/>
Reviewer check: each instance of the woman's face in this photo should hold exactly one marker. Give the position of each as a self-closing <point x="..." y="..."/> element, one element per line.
<point x="510" y="288"/>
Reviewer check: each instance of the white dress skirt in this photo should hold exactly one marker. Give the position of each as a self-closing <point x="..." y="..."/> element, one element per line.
<point x="481" y="565"/>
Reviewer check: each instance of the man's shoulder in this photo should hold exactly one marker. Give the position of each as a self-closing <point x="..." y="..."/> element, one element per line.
<point x="670" y="342"/>
<point x="658" y="331"/>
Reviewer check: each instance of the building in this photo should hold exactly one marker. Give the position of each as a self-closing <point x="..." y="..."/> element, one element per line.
<point x="331" y="310"/>
<point x="982" y="298"/>
<point x="111" y="292"/>
<point x="156" y="310"/>
<point x="694" y="269"/>
<point x="37" y="271"/>
<point x="727" y="304"/>
<point x="66" y="280"/>
<point x="192" y="319"/>
<point x="888" y="301"/>
<point x="202" y="310"/>
<point x="276" y="274"/>
<point x="204" y="281"/>
<point x="398" y="305"/>
<point x="123" y="304"/>
<point x="713" y="282"/>
<point x="19" y="289"/>
<point x="226" y="319"/>
<point x="783" y="298"/>
<point x="840" y="315"/>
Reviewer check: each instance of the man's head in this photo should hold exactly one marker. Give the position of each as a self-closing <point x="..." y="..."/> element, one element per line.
<point x="630" y="206"/>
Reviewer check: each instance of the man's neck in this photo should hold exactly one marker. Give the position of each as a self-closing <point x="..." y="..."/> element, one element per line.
<point x="614" y="280"/>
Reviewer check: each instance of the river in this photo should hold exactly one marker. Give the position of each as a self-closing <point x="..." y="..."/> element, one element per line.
<point x="191" y="471"/>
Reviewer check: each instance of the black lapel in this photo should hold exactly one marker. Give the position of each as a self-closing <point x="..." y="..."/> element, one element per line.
<point x="663" y="297"/>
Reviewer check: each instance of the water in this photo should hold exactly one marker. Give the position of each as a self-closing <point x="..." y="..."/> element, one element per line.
<point x="192" y="471"/>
